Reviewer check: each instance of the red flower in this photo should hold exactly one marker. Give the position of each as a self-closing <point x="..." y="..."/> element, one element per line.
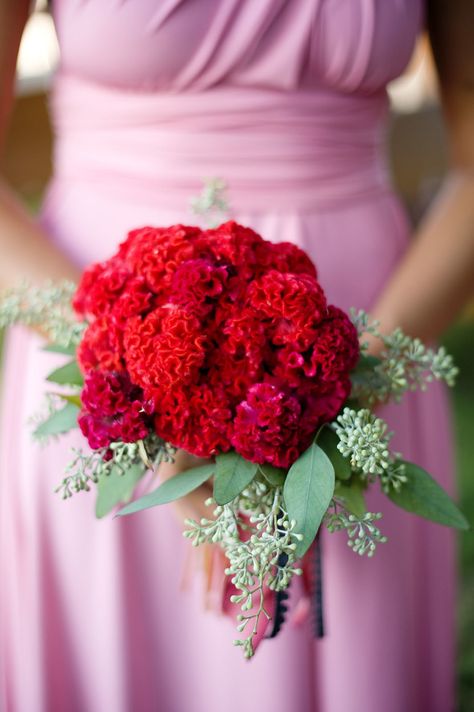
<point x="198" y="420"/>
<point x="216" y="339"/>
<point x="198" y="284"/>
<point x="295" y="304"/>
<point x="164" y="349"/>
<point x="284" y="257"/>
<point x="266" y="426"/>
<point x="99" y="288"/>
<point x="154" y="253"/>
<point x="101" y="346"/>
<point x="336" y="347"/>
<point x="113" y="409"/>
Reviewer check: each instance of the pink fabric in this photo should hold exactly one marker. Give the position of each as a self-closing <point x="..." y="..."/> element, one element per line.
<point x="286" y="101"/>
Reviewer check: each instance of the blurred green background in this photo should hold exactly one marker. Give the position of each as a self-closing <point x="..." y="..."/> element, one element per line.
<point x="460" y="342"/>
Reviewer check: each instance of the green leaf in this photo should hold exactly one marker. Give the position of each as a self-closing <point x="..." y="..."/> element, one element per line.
<point x="116" y="488"/>
<point x="67" y="375"/>
<point x="308" y="490"/>
<point x="352" y="495"/>
<point x="422" y="495"/>
<point x="58" y="349"/>
<point x="70" y="398"/>
<point x="365" y="370"/>
<point x="61" y="421"/>
<point x="367" y="362"/>
<point x="169" y="490"/>
<point x="328" y="440"/>
<point x="275" y="476"/>
<point x="233" y="474"/>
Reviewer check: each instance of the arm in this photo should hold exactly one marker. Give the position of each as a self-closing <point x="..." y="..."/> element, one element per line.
<point x="436" y="276"/>
<point x="25" y="251"/>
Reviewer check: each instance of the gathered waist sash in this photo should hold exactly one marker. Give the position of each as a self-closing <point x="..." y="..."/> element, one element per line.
<point x="275" y="150"/>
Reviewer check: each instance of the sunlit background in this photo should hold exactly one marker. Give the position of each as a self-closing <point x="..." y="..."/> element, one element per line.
<point x="419" y="160"/>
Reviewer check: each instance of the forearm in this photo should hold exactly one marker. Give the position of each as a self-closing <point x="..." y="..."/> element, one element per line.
<point x="436" y="277"/>
<point x="26" y="253"/>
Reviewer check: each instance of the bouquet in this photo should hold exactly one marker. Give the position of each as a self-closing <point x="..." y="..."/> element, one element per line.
<point x="222" y="343"/>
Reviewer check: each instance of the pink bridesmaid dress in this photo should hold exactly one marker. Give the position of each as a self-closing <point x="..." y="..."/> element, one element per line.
<point x="285" y="100"/>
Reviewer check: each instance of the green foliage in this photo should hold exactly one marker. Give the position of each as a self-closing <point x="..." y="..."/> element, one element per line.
<point x="328" y="441"/>
<point x="308" y="491"/>
<point x="352" y="495"/>
<point x="61" y="421"/>
<point x="363" y="534"/>
<point x="422" y="495"/>
<point x="212" y="204"/>
<point x="170" y="490"/>
<point x="69" y="398"/>
<point x="232" y="475"/>
<point x="87" y="469"/>
<point x="405" y="364"/>
<point x="116" y="487"/>
<point x="266" y="558"/>
<point x="59" y="349"/>
<point x="275" y="476"/>
<point x="69" y="375"/>
<point x="364" y="440"/>
<point x="460" y="342"/>
<point x="47" y="307"/>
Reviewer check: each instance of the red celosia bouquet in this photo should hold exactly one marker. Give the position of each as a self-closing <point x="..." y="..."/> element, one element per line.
<point x="216" y="340"/>
<point x="223" y="344"/>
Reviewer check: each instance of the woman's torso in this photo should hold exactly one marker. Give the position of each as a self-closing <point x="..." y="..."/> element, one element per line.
<point x="284" y="100"/>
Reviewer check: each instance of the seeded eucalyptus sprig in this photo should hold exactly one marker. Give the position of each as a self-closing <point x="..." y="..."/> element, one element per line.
<point x="405" y="364"/>
<point x="47" y="307"/>
<point x="362" y="532"/>
<point x="265" y="557"/>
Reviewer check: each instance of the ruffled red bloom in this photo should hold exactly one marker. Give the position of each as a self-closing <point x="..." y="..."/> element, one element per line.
<point x="113" y="409"/>
<point x="233" y="244"/>
<point x="294" y="303"/>
<point x="226" y="338"/>
<point x="266" y="426"/>
<point x="101" y="346"/>
<point x="284" y="257"/>
<point x="155" y="253"/>
<point x="99" y="288"/>
<point x="199" y="420"/>
<point x="165" y="349"/>
<point x="336" y="347"/>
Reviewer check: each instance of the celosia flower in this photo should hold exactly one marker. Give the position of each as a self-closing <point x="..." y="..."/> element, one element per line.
<point x="226" y="338"/>
<point x="113" y="409"/>
<point x="266" y="426"/>
<point x="165" y="349"/>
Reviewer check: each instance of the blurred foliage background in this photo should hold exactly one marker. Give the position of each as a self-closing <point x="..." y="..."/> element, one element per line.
<point x="418" y="153"/>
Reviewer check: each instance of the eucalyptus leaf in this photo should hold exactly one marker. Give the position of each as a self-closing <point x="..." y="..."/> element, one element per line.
<point x="422" y="495"/>
<point x="367" y="362"/>
<point x="177" y="486"/>
<point x="308" y="490"/>
<point x="61" y="421"/>
<point x="116" y="487"/>
<point x="233" y="474"/>
<point x="67" y="375"/>
<point x="70" y="398"/>
<point x="275" y="476"/>
<point x="352" y="495"/>
<point x="327" y="440"/>
<point x="58" y="349"/>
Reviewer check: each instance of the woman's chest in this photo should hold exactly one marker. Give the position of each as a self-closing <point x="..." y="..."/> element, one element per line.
<point x="178" y="45"/>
